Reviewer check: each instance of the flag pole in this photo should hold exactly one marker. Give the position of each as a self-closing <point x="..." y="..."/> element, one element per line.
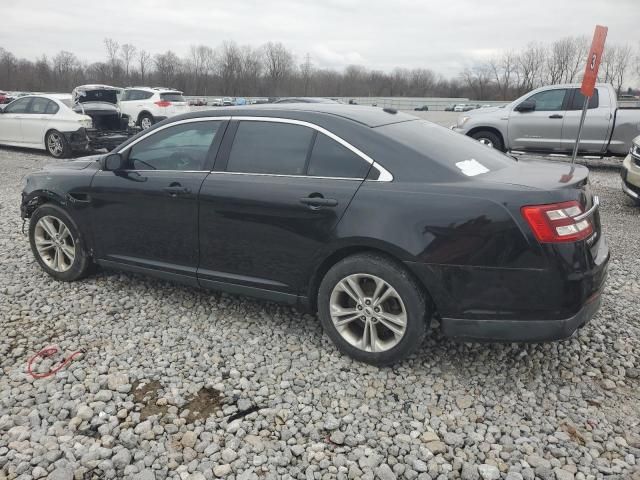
<point x="585" y="106"/>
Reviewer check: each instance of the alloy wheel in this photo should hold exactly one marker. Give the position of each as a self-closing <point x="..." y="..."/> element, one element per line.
<point x="486" y="141"/>
<point x="55" y="144"/>
<point x="145" y="123"/>
<point x="54" y="243"/>
<point x="368" y="312"/>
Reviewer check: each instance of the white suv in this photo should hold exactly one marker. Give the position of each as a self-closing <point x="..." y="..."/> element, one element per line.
<point x="148" y="105"/>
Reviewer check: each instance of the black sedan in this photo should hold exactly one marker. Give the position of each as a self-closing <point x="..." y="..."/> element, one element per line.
<point x="376" y="220"/>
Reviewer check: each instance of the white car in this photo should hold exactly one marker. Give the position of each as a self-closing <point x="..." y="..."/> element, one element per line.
<point x="45" y="122"/>
<point x="460" y="107"/>
<point x="149" y="105"/>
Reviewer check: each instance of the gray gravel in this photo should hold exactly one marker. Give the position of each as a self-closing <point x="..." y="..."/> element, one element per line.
<point x="186" y="384"/>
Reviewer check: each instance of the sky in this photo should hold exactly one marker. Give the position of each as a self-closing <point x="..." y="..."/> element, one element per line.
<point x="444" y="35"/>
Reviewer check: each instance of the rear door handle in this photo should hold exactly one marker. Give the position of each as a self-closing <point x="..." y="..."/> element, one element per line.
<point x="319" y="202"/>
<point x="176" y="190"/>
<point x="555" y="116"/>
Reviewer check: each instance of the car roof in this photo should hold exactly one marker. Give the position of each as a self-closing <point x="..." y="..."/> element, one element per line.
<point x="305" y="100"/>
<point x="368" y="116"/>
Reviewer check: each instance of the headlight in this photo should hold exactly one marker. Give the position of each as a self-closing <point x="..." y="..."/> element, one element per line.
<point x="635" y="150"/>
<point x="462" y="120"/>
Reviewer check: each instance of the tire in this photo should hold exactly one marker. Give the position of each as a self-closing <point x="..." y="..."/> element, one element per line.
<point x="404" y="295"/>
<point x="45" y="222"/>
<point x="145" y="121"/>
<point x="57" y="145"/>
<point x="488" y="138"/>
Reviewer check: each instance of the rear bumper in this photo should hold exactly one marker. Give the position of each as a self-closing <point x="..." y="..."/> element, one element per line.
<point x="521" y="330"/>
<point x="107" y="139"/>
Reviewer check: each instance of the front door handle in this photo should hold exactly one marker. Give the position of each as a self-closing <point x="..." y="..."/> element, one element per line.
<point x="176" y="190"/>
<point x="555" y="116"/>
<point x="317" y="202"/>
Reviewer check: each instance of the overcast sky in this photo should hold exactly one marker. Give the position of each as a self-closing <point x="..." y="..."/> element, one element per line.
<point x="444" y="35"/>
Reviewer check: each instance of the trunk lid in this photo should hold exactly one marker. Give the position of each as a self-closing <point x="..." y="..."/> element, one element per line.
<point x="540" y="174"/>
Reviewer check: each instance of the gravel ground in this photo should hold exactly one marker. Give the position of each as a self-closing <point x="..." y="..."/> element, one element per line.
<point x="180" y="383"/>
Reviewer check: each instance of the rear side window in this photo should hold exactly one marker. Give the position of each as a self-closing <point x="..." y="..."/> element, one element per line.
<point x="39" y="105"/>
<point x="549" y="100"/>
<point x="270" y="147"/>
<point x="456" y="152"/>
<point x="52" y="107"/>
<point x="578" y="100"/>
<point x="172" y="97"/>
<point x="330" y="159"/>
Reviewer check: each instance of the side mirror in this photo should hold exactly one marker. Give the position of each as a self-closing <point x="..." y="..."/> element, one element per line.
<point x="526" y="106"/>
<point x="112" y="162"/>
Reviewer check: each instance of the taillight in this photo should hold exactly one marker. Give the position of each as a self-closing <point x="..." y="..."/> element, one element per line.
<point x="163" y="103"/>
<point x="557" y="222"/>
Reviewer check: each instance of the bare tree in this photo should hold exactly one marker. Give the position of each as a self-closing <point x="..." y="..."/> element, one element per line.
<point x="306" y="69"/>
<point x="167" y="67"/>
<point x="113" y="59"/>
<point x="530" y="71"/>
<point x="128" y="52"/>
<point x="477" y="80"/>
<point x="504" y="70"/>
<point x="144" y="61"/>
<point x="279" y="64"/>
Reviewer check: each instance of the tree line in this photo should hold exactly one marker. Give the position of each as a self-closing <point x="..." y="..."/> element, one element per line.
<point x="272" y="70"/>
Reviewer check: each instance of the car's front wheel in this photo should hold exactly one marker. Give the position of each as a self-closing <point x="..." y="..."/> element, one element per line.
<point x="57" y="144"/>
<point x="488" y="138"/>
<point x="57" y="244"/>
<point x="373" y="309"/>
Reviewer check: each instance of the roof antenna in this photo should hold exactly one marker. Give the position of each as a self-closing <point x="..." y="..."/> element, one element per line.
<point x="390" y="110"/>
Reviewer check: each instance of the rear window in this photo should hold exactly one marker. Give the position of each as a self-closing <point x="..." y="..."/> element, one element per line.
<point x="172" y="97"/>
<point x="457" y="152"/>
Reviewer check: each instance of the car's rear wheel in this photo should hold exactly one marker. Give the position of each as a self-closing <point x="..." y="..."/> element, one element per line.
<point x="488" y="138"/>
<point x="57" y="144"/>
<point x="145" y="121"/>
<point x="57" y="244"/>
<point x="372" y="309"/>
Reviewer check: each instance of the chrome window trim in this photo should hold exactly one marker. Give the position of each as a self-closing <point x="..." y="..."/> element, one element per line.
<point x="223" y="172"/>
<point x="383" y="174"/>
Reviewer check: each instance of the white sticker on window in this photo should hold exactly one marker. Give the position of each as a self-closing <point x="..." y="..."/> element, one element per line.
<point x="471" y="167"/>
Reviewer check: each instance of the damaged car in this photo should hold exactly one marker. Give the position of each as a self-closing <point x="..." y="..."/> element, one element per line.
<point x="45" y="122"/>
<point x="110" y="127"/>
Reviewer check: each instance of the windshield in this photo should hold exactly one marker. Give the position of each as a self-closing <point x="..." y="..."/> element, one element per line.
<point x="172" y="97"/>
<point x="453" y="150"/>
<point x="109" y="96"/>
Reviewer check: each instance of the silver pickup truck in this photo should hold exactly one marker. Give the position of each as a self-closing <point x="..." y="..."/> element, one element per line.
<point x="546" y="120"/>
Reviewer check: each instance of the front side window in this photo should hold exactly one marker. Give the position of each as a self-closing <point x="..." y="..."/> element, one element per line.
<point x="181" y="147"/>
<point x="18" y="106"/>
<point x="548" y="101"/>
<point x="330" y="159"/>
<point x="270" y="147"/>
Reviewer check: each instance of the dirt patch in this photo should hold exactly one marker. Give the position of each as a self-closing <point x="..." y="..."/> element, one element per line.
<point x="146" y="393"/>
<point x="206" y="402"/>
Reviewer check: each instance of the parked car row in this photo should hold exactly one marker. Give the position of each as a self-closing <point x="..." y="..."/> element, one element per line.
<point x="92" y="117"/>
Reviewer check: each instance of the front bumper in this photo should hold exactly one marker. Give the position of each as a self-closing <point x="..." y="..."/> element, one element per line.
<point x="630" y="174"/>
